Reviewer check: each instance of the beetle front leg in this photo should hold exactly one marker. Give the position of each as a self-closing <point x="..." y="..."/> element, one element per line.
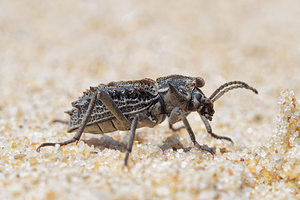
<point x="209" y="130"/>
<point x="80" y="129"/>
<point x="178" y="113"/>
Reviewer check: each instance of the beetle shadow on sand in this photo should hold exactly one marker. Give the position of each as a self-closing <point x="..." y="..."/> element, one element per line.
<point x="171" y="142"/>
<point x="107" y="142"/>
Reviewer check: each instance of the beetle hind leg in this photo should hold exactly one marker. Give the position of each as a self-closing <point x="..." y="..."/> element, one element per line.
<point x="80" y="129"/>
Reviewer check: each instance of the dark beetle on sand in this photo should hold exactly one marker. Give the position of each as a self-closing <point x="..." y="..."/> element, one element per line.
<point x="128" y="105"/>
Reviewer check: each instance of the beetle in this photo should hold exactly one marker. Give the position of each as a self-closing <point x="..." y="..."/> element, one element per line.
<point x="128" y="105"/>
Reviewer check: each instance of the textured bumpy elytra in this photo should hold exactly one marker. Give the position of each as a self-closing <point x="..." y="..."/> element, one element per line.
<point x="130" y="97"/>
<point x="128" y="105"/>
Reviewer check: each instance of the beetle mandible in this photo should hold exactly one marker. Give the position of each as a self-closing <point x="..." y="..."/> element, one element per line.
<point x="128" y="105"/>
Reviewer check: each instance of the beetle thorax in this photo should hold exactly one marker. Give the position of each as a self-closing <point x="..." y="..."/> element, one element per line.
<point x="176" y="91"/>
<point x="173" y="99"/>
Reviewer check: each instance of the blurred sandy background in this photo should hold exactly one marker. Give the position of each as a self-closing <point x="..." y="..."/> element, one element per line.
<point x="50" y="51"/>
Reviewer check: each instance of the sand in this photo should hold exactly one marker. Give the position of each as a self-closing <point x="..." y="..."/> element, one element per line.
<point x="51" y="51"/>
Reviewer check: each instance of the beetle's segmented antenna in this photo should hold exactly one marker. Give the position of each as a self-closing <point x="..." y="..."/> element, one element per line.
<point x="223" y="86"/>
<point x="233" y="85"/>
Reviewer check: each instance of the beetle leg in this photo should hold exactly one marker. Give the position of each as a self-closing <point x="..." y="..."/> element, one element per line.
<point x="59" y="121"/>
<point x="80" y="129"/>
<point x="143" y="119"/>
<point x="178" y="113"/>
<point x="112" y="107"/>
<point x="209" y="130"/>
<point x="175" y="129"/>
<point x="131" y="139"/>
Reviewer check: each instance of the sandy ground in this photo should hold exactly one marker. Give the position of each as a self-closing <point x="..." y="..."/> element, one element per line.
<point x="51" y="51"/>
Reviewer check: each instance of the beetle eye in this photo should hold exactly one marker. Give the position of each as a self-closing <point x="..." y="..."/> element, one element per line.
<point x="198" y="82"/>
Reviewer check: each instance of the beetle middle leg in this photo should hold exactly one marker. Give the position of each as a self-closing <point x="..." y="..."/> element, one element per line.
<point x="178" y="113"/>
<point x="209" y="130"/>
<point x="143" y="119"/>
<point x="175" y="129"/>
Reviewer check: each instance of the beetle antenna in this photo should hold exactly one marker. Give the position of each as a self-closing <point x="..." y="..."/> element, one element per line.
<point x="225" y="85"/>
<point x="234" y="85"/>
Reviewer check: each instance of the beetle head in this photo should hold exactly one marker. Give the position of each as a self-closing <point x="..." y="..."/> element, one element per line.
<point x="206" y="109"/>
<point x="200" y="103"/>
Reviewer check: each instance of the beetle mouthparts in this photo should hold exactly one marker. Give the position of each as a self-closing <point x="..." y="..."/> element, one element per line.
<point x="208" y="117"/>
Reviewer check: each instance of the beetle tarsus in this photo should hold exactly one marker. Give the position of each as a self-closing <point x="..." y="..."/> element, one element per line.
<point x="55" y="143"/>
<point x="210" y="150"/>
